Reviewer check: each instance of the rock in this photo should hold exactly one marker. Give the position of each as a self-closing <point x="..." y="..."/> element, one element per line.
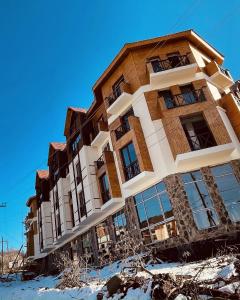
<point x="113" y="284"/>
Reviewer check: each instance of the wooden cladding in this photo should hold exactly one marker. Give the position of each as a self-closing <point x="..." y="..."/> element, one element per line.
<point x="231" y="104"/>
<point x="136" y="136"/>
<point x="108" y="167"/>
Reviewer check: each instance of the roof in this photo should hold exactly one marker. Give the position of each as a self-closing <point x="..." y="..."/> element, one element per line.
<point x="69" y="115"/>
<point x="30" y="200"/>
<point x="43" y="174"/>
<point x="54" y="147"/>
<point x="58" y="146"/>
<point x="189" y="35"/>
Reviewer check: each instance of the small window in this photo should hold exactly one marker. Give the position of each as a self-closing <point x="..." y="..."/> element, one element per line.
<point x="71" y="208"/>
<point x="82" y="204"/>
<point x="78" y="173"/>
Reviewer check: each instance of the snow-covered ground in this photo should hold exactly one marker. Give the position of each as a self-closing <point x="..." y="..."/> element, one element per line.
<point x="44" y="287"/>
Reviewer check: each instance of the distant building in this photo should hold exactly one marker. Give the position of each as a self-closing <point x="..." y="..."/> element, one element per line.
<point x="156" y="154"/>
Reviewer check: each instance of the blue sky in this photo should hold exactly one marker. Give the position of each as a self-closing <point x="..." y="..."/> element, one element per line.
<point x="51" y="54"/>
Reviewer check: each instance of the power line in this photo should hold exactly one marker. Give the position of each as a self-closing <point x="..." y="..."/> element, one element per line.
<point x="159" y="45"/>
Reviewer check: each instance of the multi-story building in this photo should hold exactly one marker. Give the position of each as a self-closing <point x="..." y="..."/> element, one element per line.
<point x="157" y="154"/>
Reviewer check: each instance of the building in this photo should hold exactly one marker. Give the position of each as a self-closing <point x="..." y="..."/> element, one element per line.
<point x="157" y="154"/>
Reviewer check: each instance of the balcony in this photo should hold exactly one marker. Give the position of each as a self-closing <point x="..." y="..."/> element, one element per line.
<point x="201" y="157"/>
<point x="100" y="134"/>
<point x="119" y="99"/>
<point x="100" y="162"/>
<point x="219" y="75"/>
<point x="132" y="170"/>
<point x="195" y="96"/>
<point x="170" y="71"/>
<point x="122" y="130"/>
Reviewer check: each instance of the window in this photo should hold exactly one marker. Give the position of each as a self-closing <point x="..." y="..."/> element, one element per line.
<point x="82" y="204"/>
<point x="87" y="246"/>
<point x="75" y="143"/>
<point x="103" y="236"/>
<point x="125" y="117"/>
<point x="78" y="172"/>
<point x="104" y="185"/>
<point x="197" y="132"/>
<point x="130" y="162"/>
<point x="155" y="214"/>
<point x="187" y="92"/>
<point x="229" y="188"/>
<point x="58" y="225"/>
<point x="117" y="91"/>
<point x="168" y="98"/>
<point x="200" y="201"/>
<point x="125" y="126"/>
<point x="120" y="224"/>
<point x="40" y="228"/>
<point x="56" y="199"/>
<point x="71" y="208"/>
<point x="174" y="59"/>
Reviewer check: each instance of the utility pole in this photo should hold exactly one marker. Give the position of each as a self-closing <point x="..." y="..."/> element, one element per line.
<point x="3" y="205"/>
<point x="2" y="255"/>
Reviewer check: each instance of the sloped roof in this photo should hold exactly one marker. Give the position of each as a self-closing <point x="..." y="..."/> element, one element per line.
<point x="69" y="115"/>
<point x="189" y="35"/>
<point x="43" y="174"/>
<point x="58" y="146"/>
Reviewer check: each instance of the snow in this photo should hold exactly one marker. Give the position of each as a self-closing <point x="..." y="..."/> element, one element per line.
<point x="43" y="288"/>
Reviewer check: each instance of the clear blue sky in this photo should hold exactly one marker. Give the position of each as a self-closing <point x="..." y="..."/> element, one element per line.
<point x="51" y="54"/>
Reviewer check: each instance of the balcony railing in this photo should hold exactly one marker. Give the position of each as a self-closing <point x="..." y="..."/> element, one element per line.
<point x="122" y="130"/>
<point x="188" y="98"/>
<point x="106" y="196"/>
<point x="170" y="63"/>
<point x="132" y="170"/>
<point x="237" y="98"/>
<point x="117" y="92"/>
<point x="100" y="162"/>
<point x="201" y="141"/>
<point x="224" y="71"/>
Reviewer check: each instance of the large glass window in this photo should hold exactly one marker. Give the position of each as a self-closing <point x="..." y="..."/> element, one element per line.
<point x="200" y="201"/>
<point x="155" y="214"/>
<point x="87" y="246"/>
<point x="130" y="162"/>
<point x="103" y="236"/>
<point x="229" y="188"/>
<point x="120" y="224"/>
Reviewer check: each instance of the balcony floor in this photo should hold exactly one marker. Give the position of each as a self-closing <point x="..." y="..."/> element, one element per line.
<point x="200" y="158"/>
<point x="172" y="76"/>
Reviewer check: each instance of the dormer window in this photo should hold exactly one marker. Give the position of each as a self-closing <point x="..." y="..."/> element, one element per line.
<point x="74" y="145"/>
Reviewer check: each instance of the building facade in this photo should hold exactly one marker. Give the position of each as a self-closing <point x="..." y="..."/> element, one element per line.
<point x="157" y="155"/>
